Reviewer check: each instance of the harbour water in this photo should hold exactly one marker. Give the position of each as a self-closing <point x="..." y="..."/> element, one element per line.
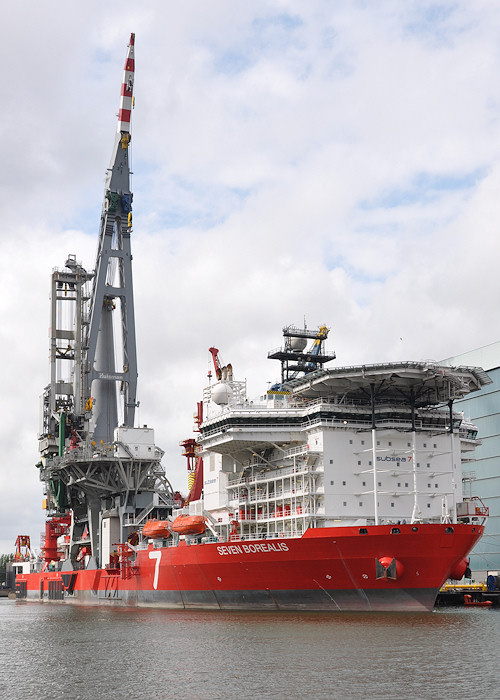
<point x="81" y="653"/>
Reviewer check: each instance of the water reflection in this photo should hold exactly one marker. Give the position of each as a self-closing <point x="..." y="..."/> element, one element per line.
<point x="152" y="653"/>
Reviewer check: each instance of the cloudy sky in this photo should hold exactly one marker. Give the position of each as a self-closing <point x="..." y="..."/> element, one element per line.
<point x="337" y="162"/>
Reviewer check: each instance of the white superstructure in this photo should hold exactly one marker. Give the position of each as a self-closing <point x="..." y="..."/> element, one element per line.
<point x="352" y="446"/>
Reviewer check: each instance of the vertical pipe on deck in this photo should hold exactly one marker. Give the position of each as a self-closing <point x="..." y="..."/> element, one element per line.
<point x="374" y="454"/>
<point x="453" y="470"/>
<point x="62" y="430"/>
<point x="416" y="515"/>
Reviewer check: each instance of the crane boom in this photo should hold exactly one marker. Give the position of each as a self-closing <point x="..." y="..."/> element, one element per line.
<point x="112" y="284"/>
<point x="215" y="357"/>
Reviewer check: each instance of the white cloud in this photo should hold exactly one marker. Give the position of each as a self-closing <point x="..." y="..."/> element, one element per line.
<point x="338" y="161"/>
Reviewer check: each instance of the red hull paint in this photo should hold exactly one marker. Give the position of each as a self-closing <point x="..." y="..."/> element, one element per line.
<point x="328" y="568"/>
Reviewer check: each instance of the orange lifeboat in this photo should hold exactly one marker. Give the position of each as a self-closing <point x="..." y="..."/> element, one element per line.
<point x="156" y="528"/>
<point x="478" y="603"/>
<point x="189" y="525"/>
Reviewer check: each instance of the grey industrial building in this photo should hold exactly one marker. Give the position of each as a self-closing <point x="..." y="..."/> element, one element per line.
<point x="483" y="408"/>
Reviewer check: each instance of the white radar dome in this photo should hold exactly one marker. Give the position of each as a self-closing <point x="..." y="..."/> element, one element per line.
<point x="298" y="344"/>
<point x="221" y="394"/>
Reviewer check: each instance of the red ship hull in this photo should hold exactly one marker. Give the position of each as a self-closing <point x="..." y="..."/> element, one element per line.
<point x="382" y="568"/>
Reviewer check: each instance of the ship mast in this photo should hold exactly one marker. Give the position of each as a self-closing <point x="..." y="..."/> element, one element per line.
<point x="95" y="464"/>
<point x="295" y="359"/>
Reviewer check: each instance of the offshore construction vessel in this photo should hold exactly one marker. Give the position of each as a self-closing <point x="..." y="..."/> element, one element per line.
<point x="336" y="489"/>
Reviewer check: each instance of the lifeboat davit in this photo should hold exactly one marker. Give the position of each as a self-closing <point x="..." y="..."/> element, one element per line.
<point x="189" y="525"/>
<point x="157" y="528"/>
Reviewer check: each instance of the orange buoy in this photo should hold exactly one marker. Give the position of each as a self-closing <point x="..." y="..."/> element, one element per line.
<point x="389" y="568"/>
<point x="189" y="525"/>
<point x="156" y="528"/>
<point x="458" y="569"/>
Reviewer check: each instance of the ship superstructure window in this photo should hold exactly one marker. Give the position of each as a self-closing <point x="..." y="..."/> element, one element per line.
<point x="345" y="503"/>
<point x="361" y="503"/>
<point x="343" y="483"/>
<point x="364" y="483"/>
<point x="359" y="462"/>
<point x="331" y="483"/>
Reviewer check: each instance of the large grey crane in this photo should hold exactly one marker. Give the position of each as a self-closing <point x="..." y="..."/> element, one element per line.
<point x="98" y="467"/>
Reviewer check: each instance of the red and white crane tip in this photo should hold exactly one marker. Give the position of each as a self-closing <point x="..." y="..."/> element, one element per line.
<point x="126" y="97"/>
